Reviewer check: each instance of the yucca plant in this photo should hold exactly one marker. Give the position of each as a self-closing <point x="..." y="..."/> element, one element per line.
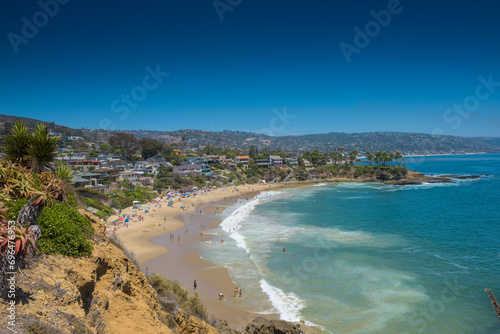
<point x="17" y="143"/>
<point x="42" y="149"/>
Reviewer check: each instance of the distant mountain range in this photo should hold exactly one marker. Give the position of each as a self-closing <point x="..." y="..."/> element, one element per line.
<point x="406" y="143"/>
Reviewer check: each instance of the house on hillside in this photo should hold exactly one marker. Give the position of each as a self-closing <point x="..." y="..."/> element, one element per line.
<point x="275" y="160"/>
<point x="211" y="159"/>
<point x="262" y="163"/>
<point x="107" y="174"/>
<point x="82" y="164"/>
<point x="141" y="165"/>
<point x="293" y="161"/>
<point x="242" y="158"/>
<point x="188" y="170"/>
<point x="179" y="152"/>
<point x="119" y="164"/>
<point x="159" y="161"/>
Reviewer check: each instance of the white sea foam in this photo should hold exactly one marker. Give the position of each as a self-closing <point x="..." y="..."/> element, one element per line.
<point x="320" y="184"/>
<point x="233" y="223"/>
<point x="287" y="304"/>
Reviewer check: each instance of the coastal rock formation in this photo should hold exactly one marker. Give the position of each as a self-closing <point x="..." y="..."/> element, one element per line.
<point x="223" y="327"/>
<point x="263" y="326"/>
<point x="191" y="325"/>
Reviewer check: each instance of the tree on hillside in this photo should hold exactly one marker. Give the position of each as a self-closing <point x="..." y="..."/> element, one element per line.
<point x="105" y="147"/>
<point x="252" y="152"/>
<point x="126" y="143"/>
<point x="150" y="147"/>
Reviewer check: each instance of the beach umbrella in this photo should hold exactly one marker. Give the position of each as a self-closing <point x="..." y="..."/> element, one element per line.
<point x="120" y="219"/>
<point x="147" y="208"/>
<point x="126" y="220"/>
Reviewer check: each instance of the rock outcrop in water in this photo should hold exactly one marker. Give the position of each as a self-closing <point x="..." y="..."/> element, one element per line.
<point x="494" y="302"/>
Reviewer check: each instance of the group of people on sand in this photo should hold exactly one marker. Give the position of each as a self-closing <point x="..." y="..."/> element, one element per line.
<point x="237" y="293"/>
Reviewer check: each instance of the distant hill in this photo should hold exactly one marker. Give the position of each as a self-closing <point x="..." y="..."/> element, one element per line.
<point x="6" y="120"/>
<point x="406" y="143"/>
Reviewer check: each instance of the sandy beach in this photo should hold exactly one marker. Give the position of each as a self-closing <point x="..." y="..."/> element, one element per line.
<point x="160" y="243"/>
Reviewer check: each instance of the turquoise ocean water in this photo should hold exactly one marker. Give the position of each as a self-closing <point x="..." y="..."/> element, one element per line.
<point x="371" y="258"/>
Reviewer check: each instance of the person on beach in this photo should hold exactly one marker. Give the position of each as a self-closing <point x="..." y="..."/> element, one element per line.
<point x="235" y="291"/>
<point x="147" y="271"/>
<point x="240" y="294"/>
<point x="284" y="250"/>
<point x="195" y="285"/>
<point x="221" y="296"/>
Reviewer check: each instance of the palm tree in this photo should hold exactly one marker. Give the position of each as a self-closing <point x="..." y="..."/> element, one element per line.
<point x="352" y="156"/>
<point x="378" y="158"/>
<point x="369" y="157"/>
<point x="16" y="144"/>
<point x="42" y="149"/>
<point x="398" y="156"/>
<point x="341" y="151"/>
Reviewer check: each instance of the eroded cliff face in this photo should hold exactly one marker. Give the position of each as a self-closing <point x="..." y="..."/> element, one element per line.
<point x="104" y="292"/>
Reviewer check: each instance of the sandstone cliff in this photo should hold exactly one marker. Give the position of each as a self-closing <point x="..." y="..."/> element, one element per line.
<point x="102" y="293"/>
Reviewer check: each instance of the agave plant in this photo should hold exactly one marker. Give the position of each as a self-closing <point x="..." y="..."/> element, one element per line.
<point x="23" y="239"/>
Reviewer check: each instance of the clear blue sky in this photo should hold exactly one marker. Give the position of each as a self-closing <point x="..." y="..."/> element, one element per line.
<point x="79" y="66"/>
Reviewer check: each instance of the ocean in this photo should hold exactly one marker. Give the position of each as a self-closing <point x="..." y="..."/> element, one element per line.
<point x="371" y="258"/>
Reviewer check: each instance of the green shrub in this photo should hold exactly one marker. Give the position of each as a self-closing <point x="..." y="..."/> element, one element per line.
<point x="14" y="207"/>
<point x="169" y="289"/>
<point x="64" y="231"/>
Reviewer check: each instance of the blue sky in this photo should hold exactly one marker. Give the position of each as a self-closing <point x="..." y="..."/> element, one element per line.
<point x="90" y="64"/>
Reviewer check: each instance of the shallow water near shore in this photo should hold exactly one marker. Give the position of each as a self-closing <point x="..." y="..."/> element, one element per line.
<point x="369" y="258"/>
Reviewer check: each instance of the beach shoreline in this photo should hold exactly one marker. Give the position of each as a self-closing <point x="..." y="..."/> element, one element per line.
<point x="151" y="244"/>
